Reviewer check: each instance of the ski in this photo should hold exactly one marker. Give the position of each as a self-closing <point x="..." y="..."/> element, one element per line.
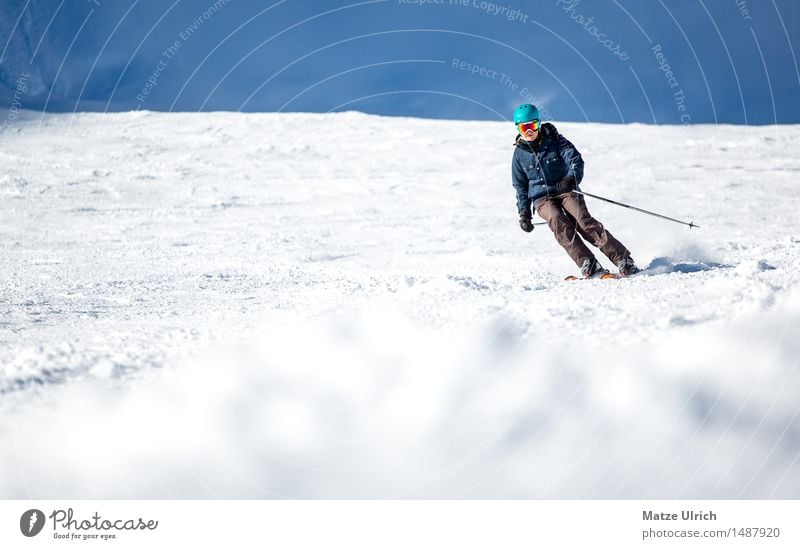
<point x="604" y="276"/>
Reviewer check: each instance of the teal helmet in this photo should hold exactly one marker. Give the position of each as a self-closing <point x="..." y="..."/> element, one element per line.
<point x="525" y="113"/>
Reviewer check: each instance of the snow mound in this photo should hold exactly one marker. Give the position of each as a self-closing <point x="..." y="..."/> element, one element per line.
<point x="367" y="403"/>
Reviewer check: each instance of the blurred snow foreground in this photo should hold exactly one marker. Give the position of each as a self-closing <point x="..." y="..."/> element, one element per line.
<point x="228" y="305"/>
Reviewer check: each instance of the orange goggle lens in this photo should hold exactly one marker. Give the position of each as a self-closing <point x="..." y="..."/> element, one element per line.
<point x="532" y="125"/>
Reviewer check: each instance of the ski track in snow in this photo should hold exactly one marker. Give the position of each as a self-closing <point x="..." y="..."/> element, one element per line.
<point x="219" y="305"/>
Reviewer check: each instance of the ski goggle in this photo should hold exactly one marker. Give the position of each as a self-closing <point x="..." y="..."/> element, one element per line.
<point x="533" y="125"/>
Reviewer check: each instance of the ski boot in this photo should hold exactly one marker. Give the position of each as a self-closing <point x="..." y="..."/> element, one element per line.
<point x="627" y="267"/>
<point x="591" y="268"/>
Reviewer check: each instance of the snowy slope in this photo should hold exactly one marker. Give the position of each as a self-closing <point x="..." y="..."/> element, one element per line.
<point x="343" y="305"/>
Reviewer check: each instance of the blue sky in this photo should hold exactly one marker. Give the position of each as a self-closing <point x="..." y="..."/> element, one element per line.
<point x="650" y="61"/>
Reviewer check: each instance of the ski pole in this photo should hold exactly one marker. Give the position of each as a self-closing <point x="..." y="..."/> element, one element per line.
<point x="690" y="224"/>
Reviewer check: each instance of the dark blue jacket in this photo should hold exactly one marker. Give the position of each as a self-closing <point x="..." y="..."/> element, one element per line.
<point x="537" y="167"/>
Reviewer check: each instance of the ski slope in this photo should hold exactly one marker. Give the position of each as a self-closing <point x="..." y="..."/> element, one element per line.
<point x="343" y="306"/>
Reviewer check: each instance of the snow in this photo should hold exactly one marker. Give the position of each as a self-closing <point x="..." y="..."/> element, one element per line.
<point x="343" y="306"/>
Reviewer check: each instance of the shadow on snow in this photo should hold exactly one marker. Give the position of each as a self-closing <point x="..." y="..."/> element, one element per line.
<point x="664" y="265"/>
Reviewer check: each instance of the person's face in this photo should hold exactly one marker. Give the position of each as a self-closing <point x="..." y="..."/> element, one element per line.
<point x="529" y="130"/>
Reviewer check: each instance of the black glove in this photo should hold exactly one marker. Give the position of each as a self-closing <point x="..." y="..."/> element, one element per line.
<point x="525" y="221"/>
<point x="566" y="185"/>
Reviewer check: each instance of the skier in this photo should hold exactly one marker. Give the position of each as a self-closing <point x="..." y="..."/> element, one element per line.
<point x="546" y="168"/>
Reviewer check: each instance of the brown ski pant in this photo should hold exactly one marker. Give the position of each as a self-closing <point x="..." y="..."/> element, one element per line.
<point x="567" y="216"/>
